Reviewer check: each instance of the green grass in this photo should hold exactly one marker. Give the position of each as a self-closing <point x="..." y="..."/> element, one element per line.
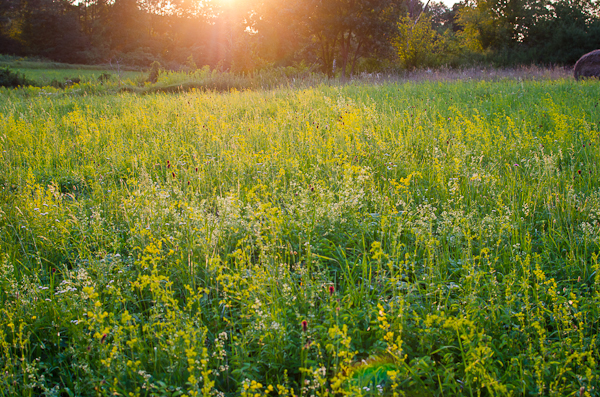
<point x="446" y="233"/>
<point x="46" y="76"/>
<point x="45" y="72"/>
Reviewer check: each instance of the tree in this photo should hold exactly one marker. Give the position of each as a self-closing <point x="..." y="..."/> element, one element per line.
<point x="51" y="28"/>
<point x="279" y="31"/>
<point x="326" y="31"/>
<point x="481" y="27"/>
<point x="526" y="31"/>
<point x="415" y="42"/>
<point x="569" y="29"/>
<point x="10" y="28"/>
<point x="348" y="29"/>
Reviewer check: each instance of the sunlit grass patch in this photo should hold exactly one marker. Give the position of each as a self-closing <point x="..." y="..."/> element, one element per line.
<point x="442" y="237"/>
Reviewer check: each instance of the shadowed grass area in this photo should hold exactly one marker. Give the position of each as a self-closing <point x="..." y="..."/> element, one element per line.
<point x="43" y="73"/>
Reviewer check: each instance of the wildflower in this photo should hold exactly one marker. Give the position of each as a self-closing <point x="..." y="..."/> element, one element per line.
<point x="331" y="290"/>
<point x="103" y="339"/>
<point x="304" y="326"/>
<point x="173" y="174"/>
<point x="579" y="172"/>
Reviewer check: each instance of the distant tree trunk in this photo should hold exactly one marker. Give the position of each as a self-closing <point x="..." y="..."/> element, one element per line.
<point x="345" y="44"/>
<point x="356" y="56"/>
<point x="327" y="54"/>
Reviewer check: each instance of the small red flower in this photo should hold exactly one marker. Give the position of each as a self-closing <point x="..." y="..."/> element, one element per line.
<point x="103" y="339"/>
<point x="172" y="173"/>
<point x="331" y="290"/>
<point x="304" y="326"/>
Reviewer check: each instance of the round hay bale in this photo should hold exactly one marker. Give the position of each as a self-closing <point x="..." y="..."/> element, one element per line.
<point x="588" y="66"/>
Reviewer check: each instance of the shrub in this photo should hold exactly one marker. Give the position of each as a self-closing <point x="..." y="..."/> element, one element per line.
<point x="191" y="64"/>
<point x="104" y="77"/>
<point x="56" y="83"/>
<point x="154" y="72"/>
<point x="11" y="79"/>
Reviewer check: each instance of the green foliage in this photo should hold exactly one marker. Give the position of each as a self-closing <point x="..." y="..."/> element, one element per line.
<point x="482" y="31"/>
<point x="154" y="73"/>
<point x="244" y="59"/>
<point x="104" y="77"/>
<point x="569" y="30"/>
<point x="426" y="239"/>
<point x="244" y="36"/>
<point x="374" y="375"/>
<point x="347" y="30"/>
<point x="415" y="42"/>
<point x="510" y="33"/>
<point x="49" y="29"/>
<point x="11" y="79"/>
<point x="191" y="64"/>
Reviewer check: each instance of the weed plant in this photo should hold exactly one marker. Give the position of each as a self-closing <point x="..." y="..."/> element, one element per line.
<point x="419" y="239"/>
<point x="11" y="79"/>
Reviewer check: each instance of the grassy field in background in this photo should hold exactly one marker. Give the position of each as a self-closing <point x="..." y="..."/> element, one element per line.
<point x="45" y="72"/>
<point x="46" y="76"/>
<point x="426" y="238"/>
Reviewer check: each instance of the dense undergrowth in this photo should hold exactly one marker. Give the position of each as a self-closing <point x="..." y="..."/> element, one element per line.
<point x="433" y="238"/>
<point x="65" y="80"/>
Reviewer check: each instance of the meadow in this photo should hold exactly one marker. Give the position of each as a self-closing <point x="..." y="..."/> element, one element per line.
<point x="46" y="72"/>
<point x="429" y="238"/>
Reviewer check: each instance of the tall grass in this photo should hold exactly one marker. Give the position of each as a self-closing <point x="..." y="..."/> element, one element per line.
<point x="432" y="238"/>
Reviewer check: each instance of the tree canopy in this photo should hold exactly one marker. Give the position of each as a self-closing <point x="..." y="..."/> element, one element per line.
<point x="340" y="36"/>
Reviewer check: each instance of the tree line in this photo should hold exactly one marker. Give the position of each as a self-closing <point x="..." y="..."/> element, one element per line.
<point x="340" y="36"/>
